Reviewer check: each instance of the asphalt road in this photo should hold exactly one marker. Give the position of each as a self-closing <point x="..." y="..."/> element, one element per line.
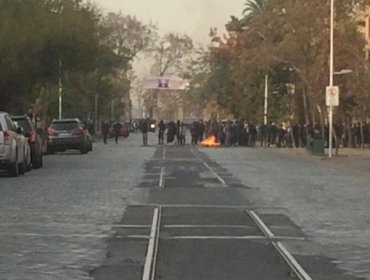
<point x="92" y="217"/>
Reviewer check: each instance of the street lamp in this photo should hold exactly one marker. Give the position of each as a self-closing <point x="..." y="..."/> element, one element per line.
<point x="343" y="72"/>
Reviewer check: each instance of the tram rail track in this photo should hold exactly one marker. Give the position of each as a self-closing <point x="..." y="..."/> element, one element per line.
<point x="149" y="272"/>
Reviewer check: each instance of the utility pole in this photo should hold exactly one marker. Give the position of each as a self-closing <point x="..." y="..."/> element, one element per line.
<point x="60" y="82"/>
<point x="60" y="90"/>
<point x="266" y="100"/>
<point x="331" y="74"/>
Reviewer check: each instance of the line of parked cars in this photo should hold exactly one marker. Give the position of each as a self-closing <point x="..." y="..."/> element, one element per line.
<point x="22" y="145"/>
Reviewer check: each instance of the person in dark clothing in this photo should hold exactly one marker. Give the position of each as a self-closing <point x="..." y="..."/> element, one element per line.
<point x="201" y="131"/>
<point x="161" y="130"/>
<point x="178" y="134"/>
<point x="117" y="129"/>
<point x="263" y="134"/>
<point x="105" y="131"/>
<point x="253" y="134"/>
<point x="194" y="133"/>
<point x="171" y="132"/>
<point x="144" y="130"/>
<point x="273" y="133"/>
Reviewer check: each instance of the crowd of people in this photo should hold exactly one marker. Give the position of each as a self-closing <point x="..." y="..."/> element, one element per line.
<point x="252" y="134"/>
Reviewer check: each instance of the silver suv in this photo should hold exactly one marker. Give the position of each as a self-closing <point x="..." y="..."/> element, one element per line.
<point x="14" y="149"/>
<point x="67" y="134"/>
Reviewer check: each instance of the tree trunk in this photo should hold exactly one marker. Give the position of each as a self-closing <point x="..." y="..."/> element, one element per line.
<point x="305" y="106"/>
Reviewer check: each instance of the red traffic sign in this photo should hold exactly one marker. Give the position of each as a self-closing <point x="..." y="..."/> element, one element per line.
<point x="332" y="96"/>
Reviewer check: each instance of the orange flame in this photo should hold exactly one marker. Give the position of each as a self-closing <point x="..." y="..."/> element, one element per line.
<point x="211" y="141"/>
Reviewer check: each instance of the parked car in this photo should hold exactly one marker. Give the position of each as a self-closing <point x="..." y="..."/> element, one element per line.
<point x="15" y="155"/>
<point x="68" y="134"/>
<point x="34" y="139"/>
<point x="124" y="131"/>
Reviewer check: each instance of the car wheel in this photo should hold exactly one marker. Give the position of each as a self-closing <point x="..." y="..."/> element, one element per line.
<point x="38" y="163"/>
<point x="22" y="167"/>
<point x="91" y="147"/>
<point x="13" y="169"/>
<point x="84" y="150"/>
<point x="41" y="160"/>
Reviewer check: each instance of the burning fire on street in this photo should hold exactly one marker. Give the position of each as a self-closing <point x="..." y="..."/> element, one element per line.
<point x="211" y="141"/>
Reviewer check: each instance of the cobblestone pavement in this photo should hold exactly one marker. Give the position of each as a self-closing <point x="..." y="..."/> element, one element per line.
<point x="54" y="222"/>
<point x="68" y="220"/>
<point x="329" y="199"/>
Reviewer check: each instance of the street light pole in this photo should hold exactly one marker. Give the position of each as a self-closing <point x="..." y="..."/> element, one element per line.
<point x="266" y="100"/>
<point x="60" y="88"/>
<point x="331" y="75"/>
<point x="60" y="82"/>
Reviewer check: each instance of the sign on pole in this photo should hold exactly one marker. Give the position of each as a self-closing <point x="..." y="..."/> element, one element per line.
<point x="166" y="83"/>
<point x="332" y="96"/>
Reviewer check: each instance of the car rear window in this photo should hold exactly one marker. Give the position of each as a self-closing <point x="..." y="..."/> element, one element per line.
<point x="70" y="125"/>
<point x="24" y="124"/>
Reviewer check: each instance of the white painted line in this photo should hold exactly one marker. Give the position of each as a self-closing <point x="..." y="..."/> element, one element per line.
<point x="191" y="206"/>
<point x="132" y="237"/>
<point x="196" y="237"/>
<point x="131" y="226"/>
<point x="164" y="153"/>
<point x="209" y="226"/>
<point x="294" y="265"/>
<point x="151" y="245"/>
<point x="261" y="224"/>
<point x="56" y="235"/>
<point x="215" y="173"/>
<point x="161" y="178"/>
<point x="290" y="238"/>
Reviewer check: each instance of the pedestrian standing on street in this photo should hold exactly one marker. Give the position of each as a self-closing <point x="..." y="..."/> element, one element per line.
<point x="105" y="131"/>
<point x="161" y="130"/>
<point x="117" y="130"/>
<point x="182" y="134"/>
<point x="201" y="131"/>
<point x="144" y="131"/>
<point x="178" y="134"/>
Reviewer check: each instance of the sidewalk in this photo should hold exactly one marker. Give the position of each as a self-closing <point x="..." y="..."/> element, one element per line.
<point x="342" y="152"/>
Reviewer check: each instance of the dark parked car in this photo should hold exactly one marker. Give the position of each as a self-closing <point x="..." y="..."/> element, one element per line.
<point x="34" y="138"/>
<point x="68" y="134"/>
<point x="124" y="131"/>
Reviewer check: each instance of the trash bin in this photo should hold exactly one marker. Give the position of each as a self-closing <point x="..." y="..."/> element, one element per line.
<point x="316" y="146"/>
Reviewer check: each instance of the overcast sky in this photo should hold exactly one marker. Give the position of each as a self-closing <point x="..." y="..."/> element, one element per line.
<point x="194" y="17"/>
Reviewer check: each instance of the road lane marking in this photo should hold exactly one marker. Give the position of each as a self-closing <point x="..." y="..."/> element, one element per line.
<point x="222" y="181"/>
<point x="220" y="206"/>
<point x="132" y="237"/>
<point x="164" y="153"/>
<point x="161" y="178"/>
<point x="131" y="226"/>
<point x="200" y="237"/>
<point x="148" y="267"/>
<point x="209" y="226"/>
<point x="215" y="173"/>
<point x="283" y="252"/>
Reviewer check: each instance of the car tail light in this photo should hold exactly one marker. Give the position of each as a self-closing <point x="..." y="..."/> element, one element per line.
<point x="51" y="132"/>
<point x="7" y="137"/>
<point x="78" y="131"/>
